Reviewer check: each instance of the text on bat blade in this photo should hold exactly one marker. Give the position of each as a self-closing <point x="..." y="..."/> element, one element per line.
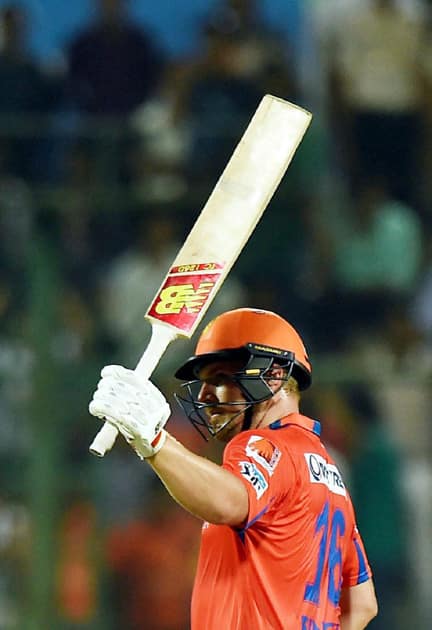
<point x="190" y="267"/>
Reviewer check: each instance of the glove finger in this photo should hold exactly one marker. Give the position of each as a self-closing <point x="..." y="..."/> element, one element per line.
<point x="118" y="376"/>
<point x="117" y="372"/>
<point x="111" y="398"/>
<point x="120" y="428"/>
<point x="125" y="400"/>
<point x="122" y="376"/>
<point x="104" y="411"/>
<point x="99" y="408"/>
<point x="109" y="386"/>
<point x="147" y="413"/>
<point x="124" y="432"/>
<point x="106" y="401"/>
<point x="111" y="370"/>
<point x="154" y="394"/>
<point x="118" y="394"/>
<point x="103" y="408"/>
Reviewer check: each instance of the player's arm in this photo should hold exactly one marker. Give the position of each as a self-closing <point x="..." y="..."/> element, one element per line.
<point x="139" y="412"/>
<point x="358" y="606"/>
<point x="201" y="486"/>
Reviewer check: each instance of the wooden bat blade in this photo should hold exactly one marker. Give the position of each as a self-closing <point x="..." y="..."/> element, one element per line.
<point x="226" y="222"/>
<point x="231" y="213"/>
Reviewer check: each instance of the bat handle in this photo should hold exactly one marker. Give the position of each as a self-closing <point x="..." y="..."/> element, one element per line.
<point x="103" y="440"/>
<point x="162" y="335"/>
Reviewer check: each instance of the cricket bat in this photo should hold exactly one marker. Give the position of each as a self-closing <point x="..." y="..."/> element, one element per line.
<point x="227" y="220"/>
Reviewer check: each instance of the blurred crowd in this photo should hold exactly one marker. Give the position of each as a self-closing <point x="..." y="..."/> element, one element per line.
<point x="105" y="162"/>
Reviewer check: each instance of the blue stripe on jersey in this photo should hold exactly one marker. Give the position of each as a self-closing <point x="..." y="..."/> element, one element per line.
<point x="241" y="532"/>
<point x="277" y="424"/>
<point x="315" y="427"/>
<point x="363" y="572"/>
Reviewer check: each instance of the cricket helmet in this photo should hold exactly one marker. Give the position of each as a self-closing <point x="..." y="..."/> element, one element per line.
<point x="257" y="339"/>
<point x="247" y="333"/>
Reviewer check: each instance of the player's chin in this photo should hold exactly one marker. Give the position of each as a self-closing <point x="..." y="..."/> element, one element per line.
<point x="228" y="428"/>
<point x="224" y="436"/>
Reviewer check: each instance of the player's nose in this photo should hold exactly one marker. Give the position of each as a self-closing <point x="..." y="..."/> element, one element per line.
<point x="207" y="394"/>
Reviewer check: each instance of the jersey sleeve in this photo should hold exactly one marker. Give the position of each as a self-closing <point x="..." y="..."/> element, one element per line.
<point x="264" y="469"/>
<point x="356" y="569"/>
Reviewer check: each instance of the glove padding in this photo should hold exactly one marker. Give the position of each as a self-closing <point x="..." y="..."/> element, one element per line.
<point x="134" y="406"/>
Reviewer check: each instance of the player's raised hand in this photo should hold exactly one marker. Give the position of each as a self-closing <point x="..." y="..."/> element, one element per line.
<point x="134" y="406"/>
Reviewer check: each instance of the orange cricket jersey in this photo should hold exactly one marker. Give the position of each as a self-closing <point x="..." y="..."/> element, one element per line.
<point x="285" y="568"/>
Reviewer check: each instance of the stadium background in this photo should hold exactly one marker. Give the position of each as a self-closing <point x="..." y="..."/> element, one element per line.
<point x="97" y="191"/>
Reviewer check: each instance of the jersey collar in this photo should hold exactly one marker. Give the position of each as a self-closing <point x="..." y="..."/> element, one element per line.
<point x="298" y="420"/>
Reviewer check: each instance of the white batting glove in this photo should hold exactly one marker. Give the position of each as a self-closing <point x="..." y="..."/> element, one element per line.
<point x="134" y="406"/>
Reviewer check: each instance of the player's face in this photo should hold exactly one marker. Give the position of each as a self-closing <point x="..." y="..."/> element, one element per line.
<point x="219" y="390"/>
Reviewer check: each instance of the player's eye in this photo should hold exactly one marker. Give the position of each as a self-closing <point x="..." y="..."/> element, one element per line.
<point x="217" y="380"/>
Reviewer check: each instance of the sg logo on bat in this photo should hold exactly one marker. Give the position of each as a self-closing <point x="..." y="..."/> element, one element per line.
<point x="184" y="294"/>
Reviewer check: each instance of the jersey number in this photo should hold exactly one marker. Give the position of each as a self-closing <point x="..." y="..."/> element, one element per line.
<point x="330" y="554"/>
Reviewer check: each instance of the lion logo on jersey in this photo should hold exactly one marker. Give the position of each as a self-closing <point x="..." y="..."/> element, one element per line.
<point x="263" y="452"/>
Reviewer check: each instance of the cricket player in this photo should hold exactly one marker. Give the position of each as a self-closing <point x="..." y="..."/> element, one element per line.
<point x="280" y="548"/>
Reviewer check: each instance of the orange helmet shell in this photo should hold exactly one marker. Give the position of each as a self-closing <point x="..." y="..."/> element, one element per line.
<point x="233" y="330"/>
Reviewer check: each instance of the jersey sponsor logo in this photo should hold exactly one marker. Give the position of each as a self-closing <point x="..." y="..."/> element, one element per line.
<point x="263" y="452"/>
<point x="251" y="473"/>
<point x="321" y="471"/>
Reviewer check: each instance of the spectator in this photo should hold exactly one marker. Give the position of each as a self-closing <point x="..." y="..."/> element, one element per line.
<point x="15" y="532"/>
<point x="76" y="212"/>
<point x="240" y="61"/>
<point x="396" y="359"/>
<point x="265" y="55"/>
<point x="328" y="402"/>
<point x="114" y="65"/>
<point x="77" y="570"/>
<point x="221" y="99"/>
<point x="427" y="162"/>
<point x="376" y="253"/>
<point x="16" y="365"/>
<point x="163" y="136"/>
<point x="422" y="296"/>
<point x="376" y="96"/>
<point x="376" y="482"/>
<point x="132" y="279"/>
<point x="369" y="257"/>
<point x="397" y="363"/>
<point x="93" y="222"/>
<point x="26" y="98"/>
<point x="152" y="562"/>
<point x="16" y="217"/>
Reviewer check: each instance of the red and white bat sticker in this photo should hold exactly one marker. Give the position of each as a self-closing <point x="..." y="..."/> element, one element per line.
<point x="185" y="293"/>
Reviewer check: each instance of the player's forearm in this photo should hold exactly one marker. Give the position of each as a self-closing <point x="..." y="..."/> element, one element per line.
<point x="199" y="485"/>
<point x="358" y="606"/>
<point x="354" y="621"/>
